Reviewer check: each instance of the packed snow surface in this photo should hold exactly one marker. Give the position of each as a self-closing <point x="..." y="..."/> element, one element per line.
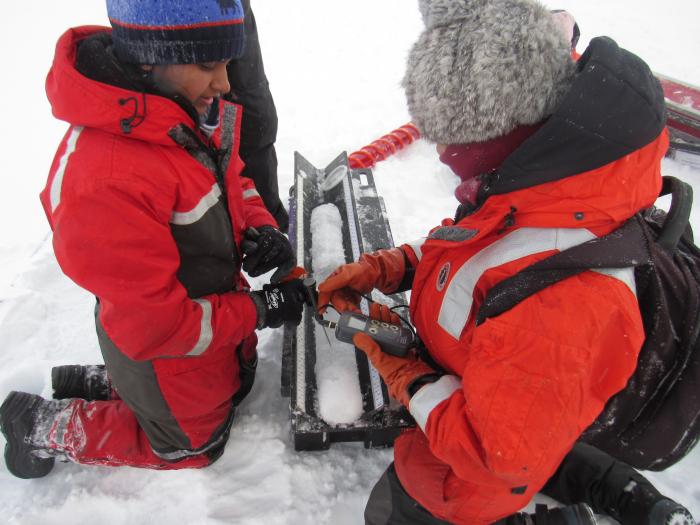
<point x="338" y="388"/>
<point x="335" y="71"/>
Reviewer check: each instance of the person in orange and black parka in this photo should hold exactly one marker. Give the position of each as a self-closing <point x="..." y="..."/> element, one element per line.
<point x="551" y="153"/>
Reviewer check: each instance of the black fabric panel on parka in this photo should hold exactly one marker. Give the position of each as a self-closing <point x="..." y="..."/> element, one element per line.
<point x="615" y="106"/>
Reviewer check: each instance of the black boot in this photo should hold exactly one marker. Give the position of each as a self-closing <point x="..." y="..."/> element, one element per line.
<point x="19" y="415"/>
<point x="614" y="488"/>
<point x="85" y="382"/>
<point x="579" y="514"/>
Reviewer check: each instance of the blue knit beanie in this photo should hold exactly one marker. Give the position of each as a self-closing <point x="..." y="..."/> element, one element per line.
<point x="176" y="31"/>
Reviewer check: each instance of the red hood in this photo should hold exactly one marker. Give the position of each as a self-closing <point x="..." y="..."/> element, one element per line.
<point x="82" y="101"/>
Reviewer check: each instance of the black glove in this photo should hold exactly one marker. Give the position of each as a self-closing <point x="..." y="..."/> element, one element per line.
<point x="267" y="248"/>
<point x="280" y="303"/>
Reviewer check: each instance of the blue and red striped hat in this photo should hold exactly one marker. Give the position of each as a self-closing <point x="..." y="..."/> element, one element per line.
<point x="176" y="31"/>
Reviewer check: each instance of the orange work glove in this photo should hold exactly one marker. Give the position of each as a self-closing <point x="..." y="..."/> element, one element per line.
<point x="383" y="269"/>
<point x="398" y="372"/>
<point x="295" y="273"/>
<point x="382" y="312"/>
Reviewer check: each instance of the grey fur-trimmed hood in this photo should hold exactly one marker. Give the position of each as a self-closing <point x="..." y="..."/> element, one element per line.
<point x="481" y="68"/>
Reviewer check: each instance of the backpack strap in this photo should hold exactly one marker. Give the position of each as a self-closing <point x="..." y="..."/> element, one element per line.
<point x="623" y="248"/>
<point x="678" y="217"/>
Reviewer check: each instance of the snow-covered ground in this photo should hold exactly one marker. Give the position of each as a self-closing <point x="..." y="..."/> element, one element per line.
<point x="335" y="70"/>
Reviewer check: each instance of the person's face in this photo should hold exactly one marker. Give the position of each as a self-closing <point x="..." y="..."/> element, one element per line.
<point x="198" y="83"/>
<point x="440" y="148"/>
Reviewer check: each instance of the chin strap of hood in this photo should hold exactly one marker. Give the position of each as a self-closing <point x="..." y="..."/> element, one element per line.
<point x="136" y="118"/>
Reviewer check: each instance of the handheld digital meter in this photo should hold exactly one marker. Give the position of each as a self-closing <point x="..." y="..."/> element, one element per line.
<point x="392" y="339"/>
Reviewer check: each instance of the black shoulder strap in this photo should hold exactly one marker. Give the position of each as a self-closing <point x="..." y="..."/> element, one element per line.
<point x="623" y="248"/>
<point x="678" y="217"/>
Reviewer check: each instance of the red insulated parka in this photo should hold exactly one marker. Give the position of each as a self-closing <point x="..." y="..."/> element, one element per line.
<point x="520" y="388"/>
<point x="147" y="214"/>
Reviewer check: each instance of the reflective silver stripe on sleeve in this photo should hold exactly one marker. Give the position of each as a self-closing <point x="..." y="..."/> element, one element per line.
<point x="416" y="247"/>
<point x="457" y="301"/>
<point x="57" y="183"/>
<point x="205" y="332"/>
<point x="626" y="275"/>
<point x="249" y="194"/>
<point x="430" y="396"/>
<point x="182" y="218"/>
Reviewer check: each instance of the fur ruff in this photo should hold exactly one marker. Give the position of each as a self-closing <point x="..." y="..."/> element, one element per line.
<point x="481" y="68"/>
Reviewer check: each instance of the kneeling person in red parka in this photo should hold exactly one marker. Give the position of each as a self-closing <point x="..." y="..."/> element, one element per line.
<point x="150" y="214"/>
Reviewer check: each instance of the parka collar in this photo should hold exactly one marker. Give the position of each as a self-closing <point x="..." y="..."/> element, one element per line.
<point x="594" y="163"/>
<point x="615" y="107"/>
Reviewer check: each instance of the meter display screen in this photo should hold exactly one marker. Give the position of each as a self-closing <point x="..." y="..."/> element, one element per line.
<point x="356" y="324"/>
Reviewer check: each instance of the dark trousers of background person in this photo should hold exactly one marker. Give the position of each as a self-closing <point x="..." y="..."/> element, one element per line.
<point x="587" y="475"/>
<point x="250" y="88"/>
